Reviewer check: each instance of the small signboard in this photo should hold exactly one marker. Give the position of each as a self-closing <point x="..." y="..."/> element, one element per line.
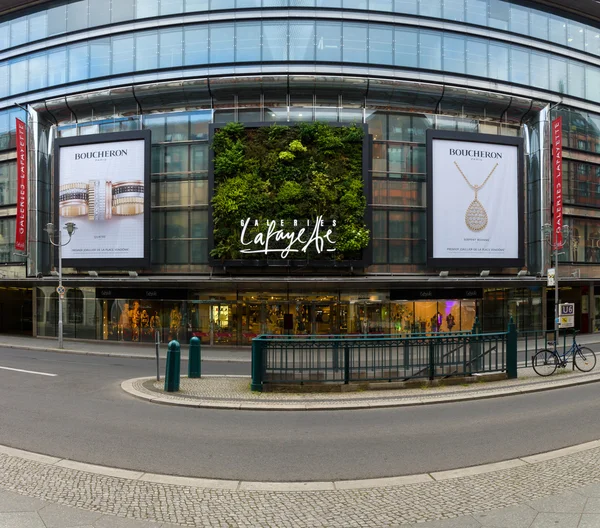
<point x="566" y="315"/>
<point x="551" y="276"/>
<point x="60" y="290"/>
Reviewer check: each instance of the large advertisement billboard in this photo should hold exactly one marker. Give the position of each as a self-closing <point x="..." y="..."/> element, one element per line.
<point x="475" y="200"/>
<point x="102" y="185"/>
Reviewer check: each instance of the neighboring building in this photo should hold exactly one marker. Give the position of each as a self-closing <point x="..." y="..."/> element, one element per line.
<point x="400" y="67"/>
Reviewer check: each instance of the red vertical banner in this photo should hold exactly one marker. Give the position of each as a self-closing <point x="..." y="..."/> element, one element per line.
<point x="557" y="175"/>
<point x="21" y="229"/>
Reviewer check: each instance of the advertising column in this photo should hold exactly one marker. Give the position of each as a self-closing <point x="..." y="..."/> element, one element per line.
<point x="103" y="187"/>
<point x="21" y="224"/>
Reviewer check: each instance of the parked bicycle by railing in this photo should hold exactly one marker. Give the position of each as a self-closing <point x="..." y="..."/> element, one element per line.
<point x="546" y="361"/>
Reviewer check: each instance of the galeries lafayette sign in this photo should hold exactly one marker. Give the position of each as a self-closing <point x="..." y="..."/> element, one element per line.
<point x="287" y="236"/>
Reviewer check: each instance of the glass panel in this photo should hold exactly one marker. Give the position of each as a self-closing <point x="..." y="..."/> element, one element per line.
<point x="380" y="5"/>
<point x="329" y="41"/>
<point x="381" y="46"/>
<point x="592" y="41"/>
<point x="355" y="42"/>
<point x="4" y="90"/>
<point x="454" y="54"/>
<point x="540" y="70"/>
<point x="430" y="8"/>
<point x="575" y="36"/>
<point x="275" y="41"/>
<point x="199" y="125"/>
<point x="122" y="55"/>
<point x="18" y="76"/>
<point x="477" y="57"/>
<point x="196" y="5"/>
<point x="4" y="35"/>
<point x="406" y="6"/>
<point x="430" y="51"/>
<point x="406" y="47"/>
<point x="222" y="43"/>
<point x="177" y="128"/>
<point x="519" y="66"/>
<point x="199" y="158"/>
<point x="146" y="8"/>
<point x="171" y="7"/>
<point x="498" y="61"/>
<point x="99" y="15"/>
<point x="121" y="10"/>
<point x="477" y="12"/>
<point x="302" y="41"/>
<point x="558" y="30"/>
<point x="177" y="159"/>
<point x="558" y="75"/>
<point x="78" y="62"/>
<point x="157" y="125"/>
<point x="77" y="15"/>
<point x="247" y="41"/>
<point x="199" y="192"/>
<point x="38" y="72"/>
<point x="196" y="46"/>
<point x="18" y="31"/>
<point x="57" y="67"/>
<point x="171" y="48"/>
<point x="577" y="80"/>
<point x="519" y="20"/>
<point x="499" y="14"/>
<point x="592" y="80"/>
<point x="538" y="24"/>
<point x="454" y="9"/>
<point x="57" y="20"/>
<point x="99" y="57"/>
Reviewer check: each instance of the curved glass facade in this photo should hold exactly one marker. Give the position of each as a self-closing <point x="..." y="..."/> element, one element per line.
<point x="305" y="41"/>
<point x="496" y="14"/>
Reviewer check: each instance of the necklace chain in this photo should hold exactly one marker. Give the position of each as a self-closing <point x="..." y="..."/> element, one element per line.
<point x="475" y="187"/>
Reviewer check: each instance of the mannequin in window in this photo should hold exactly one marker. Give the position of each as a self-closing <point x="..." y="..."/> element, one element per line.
<point x="450" y="322"/>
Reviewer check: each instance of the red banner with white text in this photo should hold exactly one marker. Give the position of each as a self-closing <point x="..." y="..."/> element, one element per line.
<point x="557" y="181"/>
<point x="21" y="229"/>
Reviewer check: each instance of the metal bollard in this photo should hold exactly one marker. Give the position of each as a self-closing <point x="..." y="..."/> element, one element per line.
<point x="194" y="367"/>
<point x="173" y="367"/>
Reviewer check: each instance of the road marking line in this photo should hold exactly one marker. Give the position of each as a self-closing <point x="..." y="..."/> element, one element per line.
<point x="29" y="371"/>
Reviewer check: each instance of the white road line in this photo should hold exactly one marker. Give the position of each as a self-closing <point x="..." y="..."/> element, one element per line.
<point x="29" y="371"/>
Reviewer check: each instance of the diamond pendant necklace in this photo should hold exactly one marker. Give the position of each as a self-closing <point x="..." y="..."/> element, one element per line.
<point x="476" y="216"/>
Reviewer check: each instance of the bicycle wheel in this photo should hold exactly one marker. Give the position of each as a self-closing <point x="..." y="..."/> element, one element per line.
<point x="545" y="362"/>
<point x="585" y="359"/>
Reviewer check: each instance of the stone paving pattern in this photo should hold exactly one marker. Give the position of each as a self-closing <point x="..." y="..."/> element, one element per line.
<point x="527" y="489"/>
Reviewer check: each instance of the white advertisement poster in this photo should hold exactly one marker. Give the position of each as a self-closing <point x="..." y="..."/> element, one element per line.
<point x="475" y="191"/>
<point x="102" y="191"/>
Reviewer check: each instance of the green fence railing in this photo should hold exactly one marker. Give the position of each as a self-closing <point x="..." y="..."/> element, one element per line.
<point x="343" y="359"/>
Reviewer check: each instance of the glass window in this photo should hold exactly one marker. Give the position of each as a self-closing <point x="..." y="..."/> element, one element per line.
<point x="57" y="20"/>
<point x="575" y="36"/>
<point x="558" y="30"/>
<point x="18" y="76"/>
<point x="519" y="66"/>
<point x="4" y="84"/>
<point x="78" y="62"/>
<point x="302" y="41"/>
<point x="430" y="8"/>
<point x="354" y="43"/>
<point x="381" y="5"/>
<point x="221" y="43"/>
<point x="99" y="57"/>
<point x="247" y="38"/>
<point x="199" y="224"/>
<point x="8" y="183"/>
<point x="454" y="54"/>
<point x="57" y="67"/>
<point x="275" y="41"/>
<point x="538" y="24"/>
<point x="540" y="70"/>
<point x="454" y="9"/>
<point x="171" y="48"/>
<point x="592" y="42"/>
<point x="122" y="55"/>
<point x="477" y="57"/>
<point x="499" y="14"/>
<point x="146" y="8"/>
<point x="177" y="159"/>
<point x="406" y="53"/>
<point x="192" y="6"/>
<point x="329" y="41"/>
<point x="122" y="10"/>
<point x="519" y="20"/>
<point x="171" y="7"/>
<point x="4" y="35"/>
<point x="199" y="158"/>
<point x="177" y="225"/>
<point x="477" y="12"/>
<point x="430" y="51"/>
<point x="577" y="80"/>
<point x="558" y="75"/>
<point x="498" y="61"/>
<point x="196" y="46"/>
<point x="355" y="4"/>
<point x="38" y="72"/>
<point x="199" y="125"/>
<point x="592" y="79"/>
<point x="146" y="56"/>
<point x="77" y="15"/>
<point x="99" y="15"/>
<point x="177" y="128"/>
<point x="381" y="45"/>
<point x="18" y="31"/>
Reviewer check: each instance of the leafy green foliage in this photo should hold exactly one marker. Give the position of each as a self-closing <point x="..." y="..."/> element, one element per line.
<point x="286" y="173"/>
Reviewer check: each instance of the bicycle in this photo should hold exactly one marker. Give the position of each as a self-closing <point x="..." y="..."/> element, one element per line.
<point x="546" y="361"/>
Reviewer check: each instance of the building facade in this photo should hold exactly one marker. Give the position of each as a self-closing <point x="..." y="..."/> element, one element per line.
<point x="398" y="67"/>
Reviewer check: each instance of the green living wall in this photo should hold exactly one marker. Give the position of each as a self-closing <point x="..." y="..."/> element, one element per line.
<point x="286" y="173"/>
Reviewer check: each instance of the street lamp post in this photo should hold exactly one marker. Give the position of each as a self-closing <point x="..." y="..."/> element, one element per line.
<point x="548" y="232"/>
<point x="50" y="229"/>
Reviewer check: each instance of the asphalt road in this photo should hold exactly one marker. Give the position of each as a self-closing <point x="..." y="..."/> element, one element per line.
<point x="82" y="414"/>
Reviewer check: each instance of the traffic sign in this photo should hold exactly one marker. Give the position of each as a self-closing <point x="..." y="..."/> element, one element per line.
<point x="566" y="312"/>
<point x="60" y="290"/>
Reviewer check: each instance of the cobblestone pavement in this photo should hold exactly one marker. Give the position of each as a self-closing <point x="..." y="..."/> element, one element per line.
<point x="234" y="392"/>
<point x="538" y="491"/>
